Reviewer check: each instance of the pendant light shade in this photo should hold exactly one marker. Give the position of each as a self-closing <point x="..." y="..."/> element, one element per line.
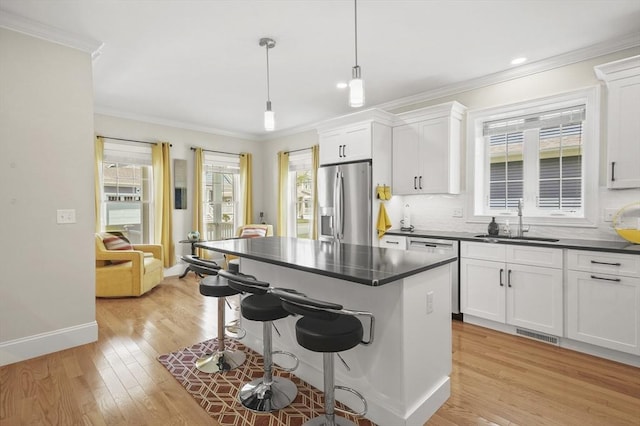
<point x="269" y="118"/>
<point x="356" y="85"/>
<point x="269" y="115"/>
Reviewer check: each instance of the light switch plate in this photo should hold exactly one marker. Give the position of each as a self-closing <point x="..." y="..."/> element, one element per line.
<point x="608" y="214"/>
<point x="66" y="216"/>
<point x="457" y="212"/>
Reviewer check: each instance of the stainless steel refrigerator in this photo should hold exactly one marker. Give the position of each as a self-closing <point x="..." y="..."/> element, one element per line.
<point x="344" y="203"/>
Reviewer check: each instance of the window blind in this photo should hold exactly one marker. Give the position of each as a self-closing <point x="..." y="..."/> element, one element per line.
<point x="554" y="118"/>
<point x="127" y="153"/>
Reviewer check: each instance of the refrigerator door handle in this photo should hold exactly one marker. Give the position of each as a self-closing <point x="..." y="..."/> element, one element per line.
<point x="336" y="207"/>
<point x="339" y="203"/>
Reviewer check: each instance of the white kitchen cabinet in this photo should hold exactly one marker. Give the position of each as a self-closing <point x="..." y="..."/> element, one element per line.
<point x="623" y="126"/>
<point x="353" y="137"/>
<point x="513" y="284"/>
<point x="603" y="299"/>
<point x="426" y="150"/>
<point x="393" y="241"/>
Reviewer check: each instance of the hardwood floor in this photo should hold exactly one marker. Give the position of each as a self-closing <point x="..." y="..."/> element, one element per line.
<point x="497" y="379"/>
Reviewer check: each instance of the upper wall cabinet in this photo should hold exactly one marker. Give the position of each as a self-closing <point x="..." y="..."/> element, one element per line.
<point x="352" y="137"/>
<point x="426" y="150"/>
<point x="623" y="121"/>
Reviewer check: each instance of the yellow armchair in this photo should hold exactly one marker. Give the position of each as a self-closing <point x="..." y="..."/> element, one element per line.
<point x="141" y="271"/>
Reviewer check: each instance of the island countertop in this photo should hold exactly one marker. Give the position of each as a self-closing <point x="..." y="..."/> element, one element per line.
<point x="366" y="265"/>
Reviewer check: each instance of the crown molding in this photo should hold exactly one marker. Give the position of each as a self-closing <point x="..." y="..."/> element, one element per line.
<point x="627" y="42"/>
<point x="46" y="32"/>
<point x="175" y="123"/>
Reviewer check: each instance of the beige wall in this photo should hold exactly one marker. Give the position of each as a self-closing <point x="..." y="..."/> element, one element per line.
<point x="182" y="140"/>
<point x="46" y="131"/>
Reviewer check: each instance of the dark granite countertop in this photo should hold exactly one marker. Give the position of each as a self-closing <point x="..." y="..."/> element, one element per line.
<point x="620" y="246"/>
<point x="361" y="264"/>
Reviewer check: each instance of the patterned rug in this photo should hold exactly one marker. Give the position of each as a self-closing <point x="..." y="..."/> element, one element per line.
<point x="217" y="393"/>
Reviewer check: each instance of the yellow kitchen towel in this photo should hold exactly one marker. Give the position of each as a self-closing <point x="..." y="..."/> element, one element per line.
<point x="384" y="222"/>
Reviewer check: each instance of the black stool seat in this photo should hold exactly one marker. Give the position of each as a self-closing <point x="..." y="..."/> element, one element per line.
<point x="320" y="335"/>
<point x="262" y="307"/>
<point x="216" y="286"/>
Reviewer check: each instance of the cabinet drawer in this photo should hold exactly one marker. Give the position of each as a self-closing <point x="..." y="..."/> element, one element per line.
<point x="603" y="262"/>
<point x="535" y="256"/>
<point x="394" y="241"/>
<point x="483" y="251"/>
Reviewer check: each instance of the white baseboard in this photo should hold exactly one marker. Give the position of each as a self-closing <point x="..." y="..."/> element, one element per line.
<point x="45" y="343"/>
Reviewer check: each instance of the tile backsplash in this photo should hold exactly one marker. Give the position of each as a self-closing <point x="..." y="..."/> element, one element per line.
<point x="435" y="212"/>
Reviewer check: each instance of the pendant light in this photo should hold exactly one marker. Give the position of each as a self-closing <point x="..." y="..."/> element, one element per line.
<point x="356" y="85"/>
<point x="269" y="115"/>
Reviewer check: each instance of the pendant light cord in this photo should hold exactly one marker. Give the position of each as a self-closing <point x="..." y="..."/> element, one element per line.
<point x="355" y="14"/>
<point x="268" y="89"/>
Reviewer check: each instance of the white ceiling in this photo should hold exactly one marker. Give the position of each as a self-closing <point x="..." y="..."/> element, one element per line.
<point x="198" y="64"/>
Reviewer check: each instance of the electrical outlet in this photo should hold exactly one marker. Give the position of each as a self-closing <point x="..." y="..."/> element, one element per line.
<point x="608" y="214"/>
<point x="429" y="302"/>
<point x="457" y="212"/>
<point x="66" y="216"/>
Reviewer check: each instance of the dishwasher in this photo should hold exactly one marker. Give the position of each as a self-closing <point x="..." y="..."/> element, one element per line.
<point x="433" y="245"/>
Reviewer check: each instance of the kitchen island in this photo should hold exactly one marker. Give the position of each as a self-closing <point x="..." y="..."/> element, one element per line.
<point x="404" y="373"/>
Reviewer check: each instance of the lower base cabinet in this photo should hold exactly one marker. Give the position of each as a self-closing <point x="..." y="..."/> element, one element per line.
<point x="518" y="294"/>
<point x="603" y="300"/>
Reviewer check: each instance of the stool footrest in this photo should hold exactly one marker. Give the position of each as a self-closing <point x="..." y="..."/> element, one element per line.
<point x="359" y="395"/>
<point x="235" y="331"/>
<point x="289" y="354"/>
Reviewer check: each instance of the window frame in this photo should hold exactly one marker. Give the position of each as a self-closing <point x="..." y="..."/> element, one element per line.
<point x="229" y="164"/>
<point x="298" y="161"/>
<point x="478" y="159"/>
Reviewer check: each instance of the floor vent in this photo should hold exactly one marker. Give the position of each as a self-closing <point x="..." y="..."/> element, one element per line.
<point x="538" y="336"/>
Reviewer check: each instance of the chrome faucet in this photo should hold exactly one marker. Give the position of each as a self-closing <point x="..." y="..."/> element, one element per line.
<point x="521" y="228"/>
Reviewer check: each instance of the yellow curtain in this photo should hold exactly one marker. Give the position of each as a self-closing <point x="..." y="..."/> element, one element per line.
<point x="99" y="154"/>
<point x="198" y="206"/>
<point x="315" y="163"/>
<point x="283" y="176"/>
<point x="163" y="200"/>
<point x="247" y="187"/>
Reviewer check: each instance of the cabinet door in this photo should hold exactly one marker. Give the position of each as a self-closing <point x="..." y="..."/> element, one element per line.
<point x="603" y="310"/>
<point x="406" y="163"/>
<point x="331" y="147"/>
<point x="624" y="133"/>
<point x="534" y="298"/>
<point x="482" y="291"/>
<point x="435" y="162"/>
<point x="357" y="143"/>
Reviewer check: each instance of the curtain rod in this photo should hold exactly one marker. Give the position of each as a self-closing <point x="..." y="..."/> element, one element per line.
<point x="128" y="140"/>
<point x="297" y="150"/>
<point x="193" y="148"/>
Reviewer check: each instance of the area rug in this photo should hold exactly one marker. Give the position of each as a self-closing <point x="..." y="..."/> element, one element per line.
<point x="217" y="393"/>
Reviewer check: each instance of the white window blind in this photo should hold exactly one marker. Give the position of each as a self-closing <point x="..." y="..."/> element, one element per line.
<point x="127" y="153"/>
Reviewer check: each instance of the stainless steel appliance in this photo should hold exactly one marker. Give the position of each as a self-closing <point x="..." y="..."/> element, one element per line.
<point x="344" y="203"/>
<point x="433" y="245"/>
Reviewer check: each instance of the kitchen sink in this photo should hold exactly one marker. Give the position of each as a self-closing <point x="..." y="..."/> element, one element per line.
<point x="505" y="237"/>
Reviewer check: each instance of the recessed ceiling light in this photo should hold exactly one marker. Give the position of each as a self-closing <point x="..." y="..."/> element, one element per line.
<point x="342" y="85"/>
<point x="518" y="61"/>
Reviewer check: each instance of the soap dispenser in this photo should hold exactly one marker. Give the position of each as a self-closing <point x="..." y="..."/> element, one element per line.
<point x="493" y="228"/>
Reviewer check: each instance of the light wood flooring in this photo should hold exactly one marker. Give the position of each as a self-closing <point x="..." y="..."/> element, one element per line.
<point x="497" y="379"/>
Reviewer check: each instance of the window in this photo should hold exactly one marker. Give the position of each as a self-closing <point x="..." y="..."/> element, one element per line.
<point x="543" y="152"/>
<point x="127" y="183"/>
<point x="221" y="183"/>
<point x="300" y="211"/>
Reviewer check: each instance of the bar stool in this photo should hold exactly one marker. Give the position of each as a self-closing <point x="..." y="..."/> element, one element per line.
<point x="213" y="285"/>
<point x="328" y="328"/>
<point x="267" y="393"/>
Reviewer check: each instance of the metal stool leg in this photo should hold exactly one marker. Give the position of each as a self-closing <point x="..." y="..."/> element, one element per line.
<point x="223" y="359"/>
<point x="267" y="393"/>
<point x="329" y="418"/>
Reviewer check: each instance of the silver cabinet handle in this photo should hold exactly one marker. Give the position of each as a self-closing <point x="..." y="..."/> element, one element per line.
<point x="509" y="278"/>
<point x="392" y="242"/>
<point x="501" y="277"/>
<point x="415" y="182"/>
<point x="595" y="277"/>
<point x="606" y="263"/>
<point x="420" y="182"/>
